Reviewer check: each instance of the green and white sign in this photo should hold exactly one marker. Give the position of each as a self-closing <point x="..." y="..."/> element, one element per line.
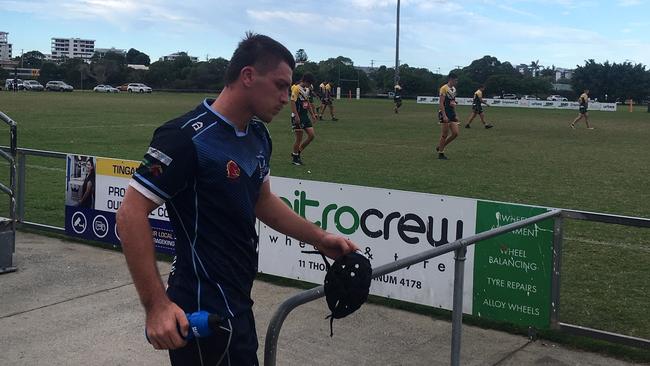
<point x="507" y="278"/>
<point x="512" y="272"/>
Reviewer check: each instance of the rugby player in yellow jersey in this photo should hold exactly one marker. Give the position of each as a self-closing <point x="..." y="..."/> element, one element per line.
<point x="300" y="121"/>
<point x="447" y="115"/>
<point x="584" y="104"/>
<point x="326" y="100"/>
<point x="397" y="98"/>
<point x="477" y="108"/>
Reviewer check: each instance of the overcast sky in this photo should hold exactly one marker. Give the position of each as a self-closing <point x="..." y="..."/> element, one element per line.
<point x="435" y="34"/>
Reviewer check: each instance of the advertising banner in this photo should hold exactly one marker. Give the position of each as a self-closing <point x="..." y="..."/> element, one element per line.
<point x="95" y="188"/>
<point x="545" y="104"/>
<point x="512" y="272"/>
<point x="387" y="224"/>
<point x="507" y="278"/>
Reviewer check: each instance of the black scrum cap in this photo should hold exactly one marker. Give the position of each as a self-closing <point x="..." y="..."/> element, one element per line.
<point x="347" y="284"/>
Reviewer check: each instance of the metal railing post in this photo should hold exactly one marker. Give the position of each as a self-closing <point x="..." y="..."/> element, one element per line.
<point x="273" y="331"/>
<point x="558" y="234"/>
<point x="21" y="164"/>
<point x="457" y="312"/>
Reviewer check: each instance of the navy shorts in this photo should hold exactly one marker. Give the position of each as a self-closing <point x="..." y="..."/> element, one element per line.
<point x="234" y="344"/>
<point x="451" y="115"/>
<point x="305" y="122"/>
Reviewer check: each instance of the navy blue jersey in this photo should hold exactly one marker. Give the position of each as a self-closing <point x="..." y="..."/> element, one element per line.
<point x="209" y="176"/>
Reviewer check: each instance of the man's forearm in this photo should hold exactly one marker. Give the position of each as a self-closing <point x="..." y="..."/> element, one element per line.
<point x="277" y="215"/>
<point x="138" y="247"/>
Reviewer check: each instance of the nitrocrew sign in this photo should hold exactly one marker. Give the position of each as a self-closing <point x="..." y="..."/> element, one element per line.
<point x="386" y="224"/>
<point x="409" y="227"/>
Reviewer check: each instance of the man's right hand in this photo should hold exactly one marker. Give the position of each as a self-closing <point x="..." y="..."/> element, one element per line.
<point x="445" y="119"/>
<point x="167" y="326"/>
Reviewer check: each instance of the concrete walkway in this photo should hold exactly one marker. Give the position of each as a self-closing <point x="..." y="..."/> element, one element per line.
<point x="73" y="304"/>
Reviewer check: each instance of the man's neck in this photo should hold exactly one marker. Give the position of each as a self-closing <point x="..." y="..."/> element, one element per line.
<point x="233" y="107"/>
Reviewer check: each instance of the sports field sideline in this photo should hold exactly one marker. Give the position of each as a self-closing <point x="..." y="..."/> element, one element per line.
<point x="530" y="157"/>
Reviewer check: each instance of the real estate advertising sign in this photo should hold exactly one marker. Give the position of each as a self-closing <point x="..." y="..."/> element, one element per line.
<point x="95" y="188"/>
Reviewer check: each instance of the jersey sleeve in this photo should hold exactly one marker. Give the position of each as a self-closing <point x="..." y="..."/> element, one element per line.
<point x="443" y="90"/>
<point x="167" y="167"/>
<point x="295" y="90"/>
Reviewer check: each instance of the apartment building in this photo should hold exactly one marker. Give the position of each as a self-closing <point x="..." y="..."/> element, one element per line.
<point x="64" y="48"/>
<point x="5" y="47"/>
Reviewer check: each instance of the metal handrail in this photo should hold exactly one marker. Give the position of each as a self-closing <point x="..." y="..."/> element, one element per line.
<point x="11" y="189"/>
<point x="21" y="154"/>
<point x="273" y="331"/>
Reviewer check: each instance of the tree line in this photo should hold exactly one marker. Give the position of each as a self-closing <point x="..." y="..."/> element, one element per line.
<point x="609" y="81"/>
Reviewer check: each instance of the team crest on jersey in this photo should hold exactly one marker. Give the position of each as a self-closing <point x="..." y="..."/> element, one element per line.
<point x="154" y="167"/>
<point x="262" y="165"/>
<point x="232" y="170"/>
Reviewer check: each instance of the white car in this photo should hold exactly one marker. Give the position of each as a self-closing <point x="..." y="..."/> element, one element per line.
<point x="105" y="89"/>
<point x="33" y="85"/>
<point x="138" y="88"/>
<point x="556" y="98"/>
<point x="530" y="97"/>
<point x="57" y="85"/>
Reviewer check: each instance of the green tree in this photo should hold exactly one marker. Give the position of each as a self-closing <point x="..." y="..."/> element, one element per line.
<point x="618" y="81"/>
<point x="4" y="75"/>
<point x="301" y="56"/>
<point x="308" y="66"/>
<point x="33" y="59"/>
<point x="50" y="71"/>
<point x="135" y="57"/>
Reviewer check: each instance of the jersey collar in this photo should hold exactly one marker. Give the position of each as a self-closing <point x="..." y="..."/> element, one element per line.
<point x="207" y="102"/>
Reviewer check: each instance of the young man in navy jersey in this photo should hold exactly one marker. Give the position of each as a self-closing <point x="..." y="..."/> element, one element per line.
<point x="211" y="169"/>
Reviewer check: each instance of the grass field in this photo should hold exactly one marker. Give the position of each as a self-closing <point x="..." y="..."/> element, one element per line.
<point x="530" y="157"/>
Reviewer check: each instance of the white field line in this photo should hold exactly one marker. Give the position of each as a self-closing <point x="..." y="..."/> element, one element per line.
<point x="36" y="166"/>
<point x="628" y="246"/>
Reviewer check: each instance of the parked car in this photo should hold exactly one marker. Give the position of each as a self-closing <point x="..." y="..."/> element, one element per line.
<point x="33" y="85"/>
<point x="56" y="85"/>
<point x="556" y="98"/>
<point x="105" y="89"/>
<point x="530" y="97"/>
<point x="123" y="87"/>
<point x="509" y="96"/>
<point x="138" y="88"/>
<point x="9" y="84"/>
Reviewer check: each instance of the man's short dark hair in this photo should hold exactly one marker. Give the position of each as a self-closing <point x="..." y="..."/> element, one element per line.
<point x="260" y="51"/>
<point x="308" y="77"/>
<point x="452" y="76"/>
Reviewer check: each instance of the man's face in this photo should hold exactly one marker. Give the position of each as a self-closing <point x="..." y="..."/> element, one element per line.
<point x="453" y="82"/>
<point x="269" y="92"/>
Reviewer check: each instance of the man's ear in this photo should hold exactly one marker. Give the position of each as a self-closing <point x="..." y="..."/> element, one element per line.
<point x="247" y="75"/>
